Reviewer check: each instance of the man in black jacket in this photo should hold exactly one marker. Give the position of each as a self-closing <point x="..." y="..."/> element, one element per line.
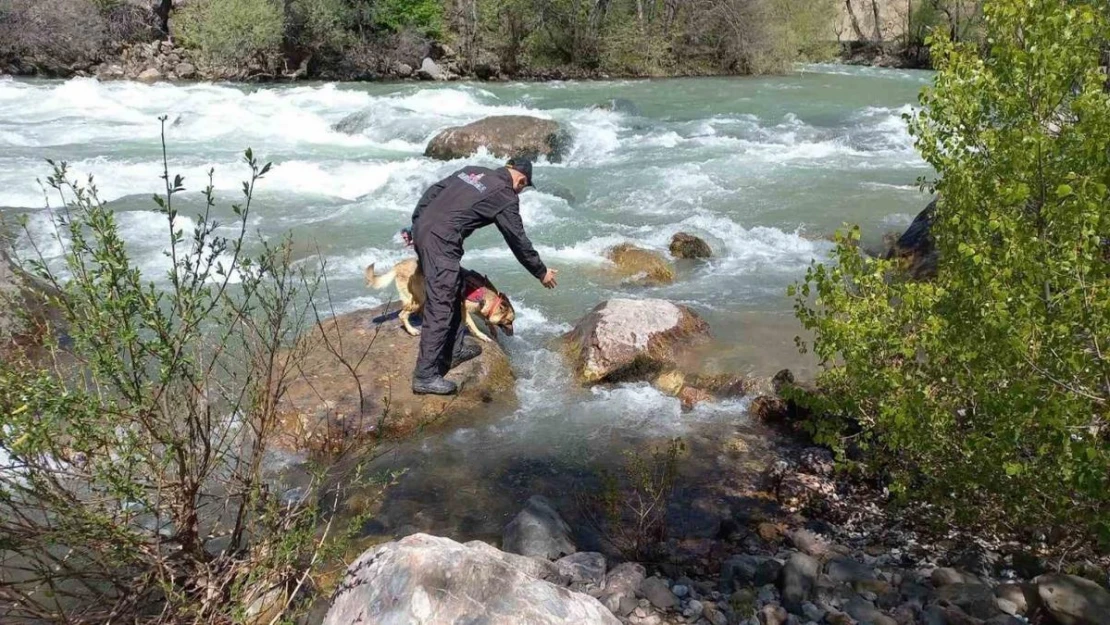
<point x="449" y="212"/>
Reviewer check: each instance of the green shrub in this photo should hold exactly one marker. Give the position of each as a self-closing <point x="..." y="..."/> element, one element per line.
<point x="626" y="49"/>
<point x="423" y="16"/>
<point x="322" y="24"/>
<point x="231" y="31"/>
<point x="133" y="486"/>
<point x="987" y="390"/>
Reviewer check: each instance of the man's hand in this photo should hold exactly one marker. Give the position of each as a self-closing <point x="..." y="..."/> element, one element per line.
<point x="549" y="279"/>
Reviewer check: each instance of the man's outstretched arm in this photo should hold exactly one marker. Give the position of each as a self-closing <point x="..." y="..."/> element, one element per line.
<point x="512" y="228"/>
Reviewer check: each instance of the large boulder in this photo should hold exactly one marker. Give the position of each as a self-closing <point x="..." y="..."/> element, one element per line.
<point x="639" y="266"/>
<point x="627" y="339"/>
<point x="425" y="580"/>
<point x="915" y="249"/>
<point x="429" y="70"/>
<point x="685" y="245"/>
<point x="538" y="532"/>
<point x="505" y="136"/>
<point x="354" y="379"/>
<point x="1074" y="600"/>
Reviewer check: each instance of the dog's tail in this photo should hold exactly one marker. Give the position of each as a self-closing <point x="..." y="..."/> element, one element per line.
<point x="382" y="281"/>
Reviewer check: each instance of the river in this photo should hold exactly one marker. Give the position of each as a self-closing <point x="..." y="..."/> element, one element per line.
<point x="762" y="168"/>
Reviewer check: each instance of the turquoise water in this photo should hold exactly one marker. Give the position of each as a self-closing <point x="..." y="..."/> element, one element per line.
<point x="762" y="168"/>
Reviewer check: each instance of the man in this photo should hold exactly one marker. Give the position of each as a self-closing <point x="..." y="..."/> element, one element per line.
<point x="448" y="213"/>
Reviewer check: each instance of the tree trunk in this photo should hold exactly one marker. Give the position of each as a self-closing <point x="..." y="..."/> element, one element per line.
<point x="878" y="20"/>
<point x="640" y="12"/>
<point x="855" y="21"/>
<point x="162" y="11"/>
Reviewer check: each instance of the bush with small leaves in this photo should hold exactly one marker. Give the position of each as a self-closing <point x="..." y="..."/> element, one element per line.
<point x="987" y="389"/>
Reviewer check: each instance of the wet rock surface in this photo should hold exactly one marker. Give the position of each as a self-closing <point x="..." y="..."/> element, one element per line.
<point x="688" y="246"/>
<point x="354" y="379"/>
<point x="504" y="136"/>
<point x="538" y="531"/>
<point x="627" y="339"/>
<point x="636" y="265"/>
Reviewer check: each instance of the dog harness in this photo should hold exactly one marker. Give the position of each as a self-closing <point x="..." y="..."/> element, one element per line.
<point x="474" y="291"/>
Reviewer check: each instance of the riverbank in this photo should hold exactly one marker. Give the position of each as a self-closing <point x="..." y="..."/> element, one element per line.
<point x="162" y="60"/>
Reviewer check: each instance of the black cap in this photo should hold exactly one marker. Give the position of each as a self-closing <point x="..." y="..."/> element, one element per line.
<point x="524" y="166"/>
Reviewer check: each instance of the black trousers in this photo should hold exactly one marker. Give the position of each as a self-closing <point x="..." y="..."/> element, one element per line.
<point x="441" y="330"/>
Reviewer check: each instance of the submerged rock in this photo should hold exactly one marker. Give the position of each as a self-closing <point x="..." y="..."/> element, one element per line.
<point x="426" y="580"/>
<point x="626" y="339"/>
<point x="326" y="406"/>
<point x="355" y="122"/>
<point x="620" y="105"/>
<point x="505" y="136"/>
<point x="685" y="245"/>
<point x="640" y="266"/>
<point x="538" y="532"/>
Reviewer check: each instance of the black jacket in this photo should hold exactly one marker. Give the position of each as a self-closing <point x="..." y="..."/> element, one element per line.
<point x="472" y="198"/>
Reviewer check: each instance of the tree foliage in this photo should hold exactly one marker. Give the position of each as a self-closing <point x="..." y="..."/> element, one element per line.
<point x="987" y="389"/>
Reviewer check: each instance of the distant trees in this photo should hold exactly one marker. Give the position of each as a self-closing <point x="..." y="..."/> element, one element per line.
<point x="628" y="37"/>
<point x="655" y="36"/>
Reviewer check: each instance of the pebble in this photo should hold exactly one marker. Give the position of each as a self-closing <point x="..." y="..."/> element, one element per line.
<point x="768" y="594"/>
<point x="680" y="591"/>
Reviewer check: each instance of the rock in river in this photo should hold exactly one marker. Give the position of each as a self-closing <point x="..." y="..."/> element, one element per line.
<point x="355" y="378"/>
<point x="628" y="339"/>
<point x="915" y="248"/>
<point x="640" y="266"/>
<point x="426" y="580"/>
<point x="538" y="532"/>
<point x="505" y="136"/>
<point x="685" y="245"/>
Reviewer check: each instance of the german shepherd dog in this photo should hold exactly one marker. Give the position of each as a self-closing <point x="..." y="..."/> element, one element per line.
<point x="480" y="297"/>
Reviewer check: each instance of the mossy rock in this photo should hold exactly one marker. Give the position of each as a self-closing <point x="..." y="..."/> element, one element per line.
<point x="640" y="266"/>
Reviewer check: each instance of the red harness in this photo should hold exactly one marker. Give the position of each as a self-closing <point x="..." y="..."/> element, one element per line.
<point x="474" y="290"/>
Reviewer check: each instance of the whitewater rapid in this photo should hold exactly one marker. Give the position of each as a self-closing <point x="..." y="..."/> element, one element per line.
<point x="763" y="169"/>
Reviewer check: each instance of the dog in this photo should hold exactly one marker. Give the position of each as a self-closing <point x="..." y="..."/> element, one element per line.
<point x="480" y="298"/>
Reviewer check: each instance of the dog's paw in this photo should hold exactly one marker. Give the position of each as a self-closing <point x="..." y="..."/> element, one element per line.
<point x="412" y="331"/>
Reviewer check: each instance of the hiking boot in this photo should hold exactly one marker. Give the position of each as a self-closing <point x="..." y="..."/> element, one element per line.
<point x="434" y="386"/>
<point x="467" y="352"/>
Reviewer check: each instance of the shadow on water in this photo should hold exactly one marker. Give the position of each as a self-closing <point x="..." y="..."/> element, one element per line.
<point x="470" y="492"/>
<point x="468" y="478"/>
